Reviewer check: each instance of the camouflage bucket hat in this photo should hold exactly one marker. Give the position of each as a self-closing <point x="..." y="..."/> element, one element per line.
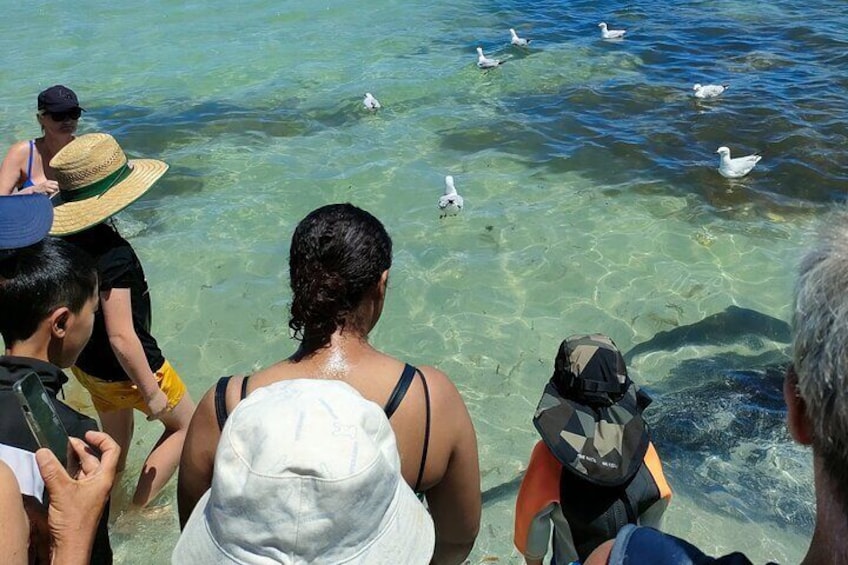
<point x="590" y="415"/>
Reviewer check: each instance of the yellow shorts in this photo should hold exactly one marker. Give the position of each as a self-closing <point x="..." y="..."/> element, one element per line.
<point x="113" y="396"/>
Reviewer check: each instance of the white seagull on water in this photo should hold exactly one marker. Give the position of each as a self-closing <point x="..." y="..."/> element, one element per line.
<point x="370" y="102"/>
<point x="451" y="203"/>
<point x="611" y="33"/>
<point x="738" y="167"/>
<point x="709" y="90"/>
<point x="484" y="62"/>
<point x="518" y="41"/>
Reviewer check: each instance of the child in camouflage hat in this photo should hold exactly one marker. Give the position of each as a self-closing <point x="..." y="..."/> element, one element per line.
<point x="595" y="469"/>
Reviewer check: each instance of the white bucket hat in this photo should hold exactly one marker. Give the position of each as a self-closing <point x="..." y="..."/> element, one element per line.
<point x="307" y="471"/>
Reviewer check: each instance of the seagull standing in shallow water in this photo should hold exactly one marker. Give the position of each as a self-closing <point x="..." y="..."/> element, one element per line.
<point x="518" y="41"/>
<point x="709" y="90"/>
<point x="738" y="167"/>
<point x="451" y="203"/>
<point x="611" y="33"/>
<point x="371" y="103"/>
<point x="484" y="62"/>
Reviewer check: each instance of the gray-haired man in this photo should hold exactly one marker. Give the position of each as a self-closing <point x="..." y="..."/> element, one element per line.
<point x="816" y="394"/>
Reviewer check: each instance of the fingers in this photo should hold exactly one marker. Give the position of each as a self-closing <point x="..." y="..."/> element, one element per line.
<point x="157" y="415"/>
<point x="110" y="451"/>
<point x="48" y="187"/>
<point x="52" y="471"/>
<point x="88" y="461"/>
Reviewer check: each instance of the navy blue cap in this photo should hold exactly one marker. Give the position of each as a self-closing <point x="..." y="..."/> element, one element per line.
<point x="58" y="98"/>
<point x="24" y="220"/>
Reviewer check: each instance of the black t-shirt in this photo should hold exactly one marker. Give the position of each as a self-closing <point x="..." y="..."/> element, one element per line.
<point x="15" y="432"/>
<point x="118" y="267"/>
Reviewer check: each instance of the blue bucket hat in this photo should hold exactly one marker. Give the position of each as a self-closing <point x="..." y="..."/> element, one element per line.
<point x="24" y="220"/>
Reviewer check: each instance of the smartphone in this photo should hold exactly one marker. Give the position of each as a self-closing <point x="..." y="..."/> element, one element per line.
<point x="41" y="416"/>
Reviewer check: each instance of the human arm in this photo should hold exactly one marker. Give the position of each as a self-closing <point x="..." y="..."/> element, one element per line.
<point x="11" y="174"/>
<point x="198" y="457"/>
<point x="533" y="532"/>
<point x="15" y="532"/>
<point x="455" y="501"/>
<point x="10" y="170"/>
<point x="601" y="554"/>
<point x="116" y="304"/>
<point x="537" y="504"/>
<point x="76" y="503"/>
<point x="652" y="516"/>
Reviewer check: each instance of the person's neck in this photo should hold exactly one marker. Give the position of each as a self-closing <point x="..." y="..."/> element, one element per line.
<point x="343" y="351"/>
<point x="829" y="545"/>
<point x="55" y="142"/>
<point x="31" y="348"/>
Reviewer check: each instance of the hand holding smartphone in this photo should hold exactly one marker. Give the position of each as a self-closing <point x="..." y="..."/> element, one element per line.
<point x="41" y="416"/>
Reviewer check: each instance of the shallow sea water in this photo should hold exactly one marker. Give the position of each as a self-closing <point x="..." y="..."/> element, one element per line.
<point x="592" y="204"/>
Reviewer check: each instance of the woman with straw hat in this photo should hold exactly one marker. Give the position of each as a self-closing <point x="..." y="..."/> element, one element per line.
<point x="26" y="167"/>
<point x="122" y="366"/>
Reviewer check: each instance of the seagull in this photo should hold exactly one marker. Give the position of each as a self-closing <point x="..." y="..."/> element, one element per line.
<point x="370" y="102"/>
<point x="738" y="167"/>
<point x="484" y="62"/>
<point x="518" y="41"/>
<point x="709" y="90"/>
<point x="611" y="33"/>
<point x="451" y="203"/>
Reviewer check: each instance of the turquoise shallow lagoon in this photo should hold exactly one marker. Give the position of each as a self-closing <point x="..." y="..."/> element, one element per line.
<point x="592" y="204"/>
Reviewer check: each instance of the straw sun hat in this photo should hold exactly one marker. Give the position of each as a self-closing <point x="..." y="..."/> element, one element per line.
<point x="97" y="181"/>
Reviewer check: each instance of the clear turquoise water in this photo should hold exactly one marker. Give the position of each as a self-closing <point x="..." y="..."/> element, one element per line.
<point x="592" y="203"/>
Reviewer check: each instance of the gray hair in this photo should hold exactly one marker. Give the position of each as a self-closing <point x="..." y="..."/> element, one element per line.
<point x="820" y="340"/>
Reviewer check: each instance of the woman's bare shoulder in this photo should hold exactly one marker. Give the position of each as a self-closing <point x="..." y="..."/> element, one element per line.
<point x="443" y="391"/>
<point x="18" y="150"/>
<point x="204" y="413"/>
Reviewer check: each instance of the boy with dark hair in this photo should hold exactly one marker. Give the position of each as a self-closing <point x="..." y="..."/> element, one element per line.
<point x="595" y="469"/>
<point x="48" y="296"/>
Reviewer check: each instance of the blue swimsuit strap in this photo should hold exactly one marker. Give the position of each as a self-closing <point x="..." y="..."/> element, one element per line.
<point x="28" y="182"/>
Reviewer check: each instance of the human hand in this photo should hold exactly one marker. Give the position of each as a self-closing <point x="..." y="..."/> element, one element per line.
<point x="48" y="187"/>
<point x="157" y="403"/>
<point x="76" y="503"/>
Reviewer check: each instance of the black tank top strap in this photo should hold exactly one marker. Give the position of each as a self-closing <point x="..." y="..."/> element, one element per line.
<point x="426" y="432"/>
<point x="400" y="390"/>
<point x="221" y="401"/>
<point x="221" y="412"/>
<point x="396" y="398"/>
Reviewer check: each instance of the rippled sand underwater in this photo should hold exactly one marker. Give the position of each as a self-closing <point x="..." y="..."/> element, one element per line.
<point x="592" y="204"/>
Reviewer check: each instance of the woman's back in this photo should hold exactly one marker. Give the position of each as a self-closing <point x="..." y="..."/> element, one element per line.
<point x="375" y="375"/>
<point x="339" y="262"/>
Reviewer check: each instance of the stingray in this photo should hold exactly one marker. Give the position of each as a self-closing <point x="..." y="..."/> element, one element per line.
<point x="732" y="325"/>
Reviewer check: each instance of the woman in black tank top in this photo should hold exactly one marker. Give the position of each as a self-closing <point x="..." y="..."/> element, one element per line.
<point x="339" y="261"/>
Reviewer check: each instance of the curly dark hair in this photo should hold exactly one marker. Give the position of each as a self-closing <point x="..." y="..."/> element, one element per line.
<point x="338" y="253"/>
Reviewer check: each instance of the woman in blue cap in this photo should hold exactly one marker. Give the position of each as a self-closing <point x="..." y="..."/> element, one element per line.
<point x="25" y="169"/>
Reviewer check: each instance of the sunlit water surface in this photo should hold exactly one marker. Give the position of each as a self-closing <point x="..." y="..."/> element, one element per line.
<point x="592" y="204"/>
